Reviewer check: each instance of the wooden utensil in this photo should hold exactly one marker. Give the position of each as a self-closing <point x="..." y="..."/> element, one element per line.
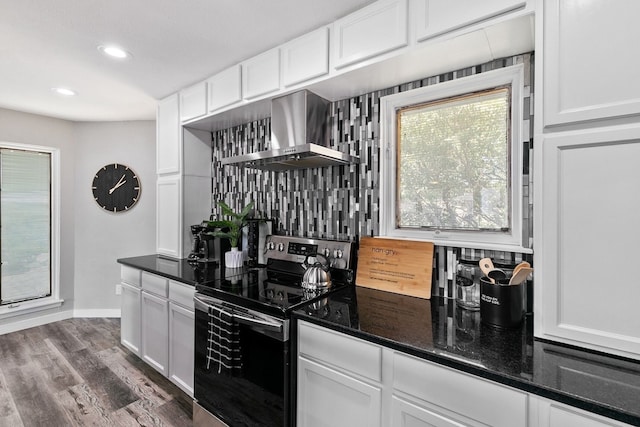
<point x="486" y="265"/>
<point x="520" y="276"/>
<point x="519" y="266"/>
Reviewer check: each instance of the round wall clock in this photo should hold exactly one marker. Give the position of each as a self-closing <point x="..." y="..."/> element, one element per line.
<point x="116" y="188"/>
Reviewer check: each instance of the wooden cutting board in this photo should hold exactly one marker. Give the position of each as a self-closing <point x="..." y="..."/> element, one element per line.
<point x="400" y="266"/>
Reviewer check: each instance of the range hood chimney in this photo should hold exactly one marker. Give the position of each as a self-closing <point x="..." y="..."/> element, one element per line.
<point x="299" y="137"/>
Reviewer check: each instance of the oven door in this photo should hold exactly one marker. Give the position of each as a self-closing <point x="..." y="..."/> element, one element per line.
<point x="241" y="364"/>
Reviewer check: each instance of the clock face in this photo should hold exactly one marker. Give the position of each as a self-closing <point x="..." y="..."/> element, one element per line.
<point x="116" y="188"/>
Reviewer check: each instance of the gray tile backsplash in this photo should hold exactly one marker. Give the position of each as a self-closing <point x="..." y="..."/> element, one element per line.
<point x="342" y="202"/>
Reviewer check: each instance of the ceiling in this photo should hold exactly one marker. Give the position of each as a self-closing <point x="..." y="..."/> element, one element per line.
<point x="47" y="44"/>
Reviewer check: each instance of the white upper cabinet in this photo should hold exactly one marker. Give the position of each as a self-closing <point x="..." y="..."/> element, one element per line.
<point x="370" y="31"/>
<point x="590" y="71"/>
<point x="193" y="101"/>
<point x="225" y="88"/>
<point x="168" y="138"/>
<point x="306" y="57"/>
<point x="588" y="203"/>
<point x="261" y="74"/>
<point x="435" y="17"/>
<point x="169" y="216"/>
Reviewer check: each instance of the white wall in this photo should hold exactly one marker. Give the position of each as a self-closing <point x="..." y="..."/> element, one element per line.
<point x="32" y="129"/>
<point x="91" y="240"/>
<point x="102" y="237"/>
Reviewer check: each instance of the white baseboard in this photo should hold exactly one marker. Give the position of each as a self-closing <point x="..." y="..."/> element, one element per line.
<point x="36" y="321"/>
<point x="55" y="317"/>
<point x="97" y="312"/>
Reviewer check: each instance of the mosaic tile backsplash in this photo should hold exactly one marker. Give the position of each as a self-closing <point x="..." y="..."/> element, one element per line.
<point x="342" y="202"/>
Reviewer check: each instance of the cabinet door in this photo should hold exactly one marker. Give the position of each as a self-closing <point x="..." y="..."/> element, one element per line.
<point x="155" y="332"/>
<point x="555" y="414"/>
<point x="328" y="398"/>
<point x="193" y="101"/>
<point x="169" y="216"/>
<point x="130" y="318"/>
<point x="370" y="31"/>
<point x="407" y="414"/>
<point x="225" y="88"/>
<point x="588" y="203"/>
<point x="261" y="74"/>
<point x="168" y="138"/>
<point x="588" y="71"/>
<point x="181" y="344"/>
<point x="305" y="57"/>
<point x="434" y="17"/>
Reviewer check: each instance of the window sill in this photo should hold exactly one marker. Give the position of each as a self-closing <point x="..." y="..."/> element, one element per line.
<point x="464" y="244"/>
<point x="27" y="307"/>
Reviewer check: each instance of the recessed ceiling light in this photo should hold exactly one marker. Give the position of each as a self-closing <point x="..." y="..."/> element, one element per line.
<point x="114" y="52"/>
<point x="64" y="91"/>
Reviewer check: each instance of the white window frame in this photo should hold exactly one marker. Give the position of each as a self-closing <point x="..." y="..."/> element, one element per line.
<point x="511" y="241"/>
<point x="52" y="301"/>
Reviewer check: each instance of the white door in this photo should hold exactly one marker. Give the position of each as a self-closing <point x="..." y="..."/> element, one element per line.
<point x="130" y="318"/>
<point x="328" y="398"/>
<point x="155" y="331"/>
<point x="181" y="347"/>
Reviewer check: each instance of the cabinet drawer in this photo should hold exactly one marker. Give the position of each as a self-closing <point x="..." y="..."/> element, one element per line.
<point x="130" y="275"/>
<point x="181" y="293"/>
<point x="484" y="401"/>
<point x="339" y="350"/>
<point x="154" y="284"/>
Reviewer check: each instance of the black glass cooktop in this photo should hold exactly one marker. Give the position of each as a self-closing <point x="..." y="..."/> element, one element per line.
<point x="261" y="290"/>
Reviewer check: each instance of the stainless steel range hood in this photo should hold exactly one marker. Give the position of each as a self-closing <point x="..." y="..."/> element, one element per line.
<point x="299" y="137"/>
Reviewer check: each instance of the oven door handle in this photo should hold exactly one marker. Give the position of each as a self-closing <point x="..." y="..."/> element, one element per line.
<point x="240" y="318"/>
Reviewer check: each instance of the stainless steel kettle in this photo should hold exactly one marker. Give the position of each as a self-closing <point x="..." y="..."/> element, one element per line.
<point x="316" y="275"/>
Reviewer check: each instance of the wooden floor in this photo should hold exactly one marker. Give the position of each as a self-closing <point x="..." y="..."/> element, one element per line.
<point x="76" y="373"/>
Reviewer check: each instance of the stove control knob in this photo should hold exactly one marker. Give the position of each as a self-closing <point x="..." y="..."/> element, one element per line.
<point x="271" y="246"/>
<point x="338" y="253"/>
<point x="326" y="252"/>
<point x="280" y="247"/>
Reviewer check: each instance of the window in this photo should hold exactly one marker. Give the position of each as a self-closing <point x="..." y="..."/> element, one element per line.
<point x="451" y="168"/>
<point x="28" y="235"/>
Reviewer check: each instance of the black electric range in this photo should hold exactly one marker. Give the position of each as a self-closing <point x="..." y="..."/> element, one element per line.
<point x="243" y="374"/>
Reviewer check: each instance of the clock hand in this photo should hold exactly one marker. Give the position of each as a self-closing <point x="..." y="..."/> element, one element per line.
<point x="118" y="184"/>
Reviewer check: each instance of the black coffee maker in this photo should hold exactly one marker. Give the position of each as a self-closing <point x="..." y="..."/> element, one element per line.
<point x="207" y="248"/>
<point x="203" y="249"/>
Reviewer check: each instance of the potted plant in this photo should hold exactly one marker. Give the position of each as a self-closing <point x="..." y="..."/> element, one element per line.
<point x="231" y="229"/>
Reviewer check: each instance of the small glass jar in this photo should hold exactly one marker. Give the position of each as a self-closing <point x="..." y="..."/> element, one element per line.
<point x="468" y="286"/>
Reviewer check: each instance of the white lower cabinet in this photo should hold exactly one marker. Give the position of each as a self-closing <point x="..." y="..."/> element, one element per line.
<point x="130" y="318"/>
<point x="366" y="384"/>
<point x="555" y="414"/>
<point x="158" y="324"/>
<point x="453" y="395"/>
<point x="155" y="331"/>
<point x="353" y="402"/>
<point x="408" y="414"/>
<point x="181" y="340"/>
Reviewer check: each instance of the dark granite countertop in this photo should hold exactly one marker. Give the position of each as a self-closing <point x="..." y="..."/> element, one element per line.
<point x="439" y="331"/>
<point x="175" y="268"/>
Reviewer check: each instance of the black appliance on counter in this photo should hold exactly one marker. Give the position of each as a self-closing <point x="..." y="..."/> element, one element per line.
<point x="242" y="344"/>
<point x="254" y="239"/>
<point x="205" y="248"/>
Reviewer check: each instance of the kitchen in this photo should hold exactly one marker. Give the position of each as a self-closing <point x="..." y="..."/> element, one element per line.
<point x="137" y="229"/>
